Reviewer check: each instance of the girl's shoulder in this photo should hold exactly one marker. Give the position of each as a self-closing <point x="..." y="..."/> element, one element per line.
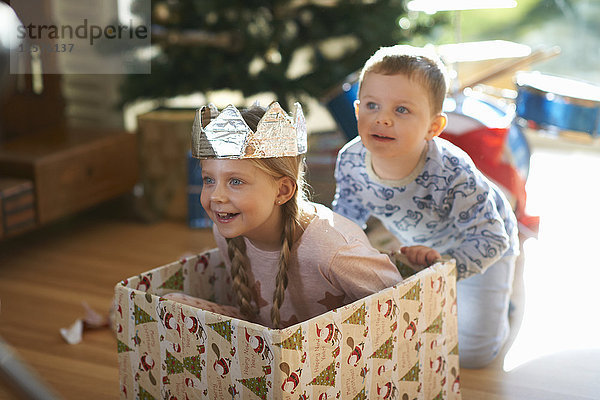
<point x="332" y="228"/>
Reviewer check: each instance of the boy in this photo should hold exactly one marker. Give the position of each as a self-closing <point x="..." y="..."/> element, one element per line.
<point x="428" y="193"/>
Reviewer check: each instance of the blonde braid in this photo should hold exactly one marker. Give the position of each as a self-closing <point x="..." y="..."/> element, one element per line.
<point x="291" y="224"/>
<point x="236" y="249"/>
<point x="277" y="167"/>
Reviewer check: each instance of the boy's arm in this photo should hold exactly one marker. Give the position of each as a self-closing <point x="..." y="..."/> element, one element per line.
<point x="347" y="200"/>
<point x="482" y="237"/>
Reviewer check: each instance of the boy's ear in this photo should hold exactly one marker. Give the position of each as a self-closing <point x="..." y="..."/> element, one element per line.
<point x="356" y="103"/>
<point x="287" y="188"/>
<point x="438" y="123"/>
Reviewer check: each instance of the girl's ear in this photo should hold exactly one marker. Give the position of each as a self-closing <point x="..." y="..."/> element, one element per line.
<point x="438" y="123"/>
<point x="287" y="188"/>
<point x="356" y="103"/>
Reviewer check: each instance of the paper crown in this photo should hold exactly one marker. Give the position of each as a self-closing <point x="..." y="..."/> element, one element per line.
<point x="226" y="134"/>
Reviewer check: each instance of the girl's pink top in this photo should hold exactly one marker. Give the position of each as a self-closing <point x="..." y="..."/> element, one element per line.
<point x="333" y="264"/>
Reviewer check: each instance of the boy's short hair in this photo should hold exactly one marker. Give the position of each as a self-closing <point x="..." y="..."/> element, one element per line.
<point x="417" y="63"/>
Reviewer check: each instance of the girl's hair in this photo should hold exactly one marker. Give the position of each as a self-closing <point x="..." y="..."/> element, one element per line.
<point x="293" y="168"/>
<point x="420" y="64"/>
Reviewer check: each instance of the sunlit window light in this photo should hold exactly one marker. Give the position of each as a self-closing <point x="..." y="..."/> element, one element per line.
<point x="433" y="6"/>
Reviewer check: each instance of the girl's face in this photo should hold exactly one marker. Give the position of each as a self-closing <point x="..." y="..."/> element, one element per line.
<point x="242" y="200"/>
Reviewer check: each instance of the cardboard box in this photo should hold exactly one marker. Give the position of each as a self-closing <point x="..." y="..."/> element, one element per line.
<point x="163" y="144"/>
<point x="399" y="343"/>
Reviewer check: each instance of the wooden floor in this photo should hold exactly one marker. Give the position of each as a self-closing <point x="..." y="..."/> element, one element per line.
<point x="45" y="275"/>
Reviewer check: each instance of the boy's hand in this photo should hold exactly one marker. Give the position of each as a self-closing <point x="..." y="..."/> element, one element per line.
<point x="421" y="255"/>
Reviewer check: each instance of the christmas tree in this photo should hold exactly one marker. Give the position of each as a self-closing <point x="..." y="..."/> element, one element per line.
<point x="294" y="342"/>
<point x="141" y="316"/>
<point x="173" y="365"/>
<point x="454" y="351"/>
<point x="326" y="377"/>
<point x="194" y="365"/>
<point x="122" y="347"/>
<point x="289" y="48"/>
<point x="223" y="328"/>
<point x="413" y="293"/>
<point x="436" y="325"/>
<point x="385" y="350"/>
<point x="413" y="374"/>
<point x="362" y="395"/>
<point x="358" y="317"/>
<point x="145" y="395"/>
<point x="175" y="281"/>
<point x="257" y="385"/>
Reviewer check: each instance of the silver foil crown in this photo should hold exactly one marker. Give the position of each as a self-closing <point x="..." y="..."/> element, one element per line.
<point x="226" y="134"/>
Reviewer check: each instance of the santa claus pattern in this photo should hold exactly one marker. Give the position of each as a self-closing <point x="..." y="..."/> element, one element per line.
<point x="400" y="341"/>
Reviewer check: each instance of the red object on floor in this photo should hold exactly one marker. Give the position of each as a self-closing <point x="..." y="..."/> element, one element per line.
<point x="486" y="146"/>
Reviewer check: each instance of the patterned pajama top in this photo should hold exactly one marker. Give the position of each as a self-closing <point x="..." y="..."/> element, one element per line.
<point x="445" y="203"/>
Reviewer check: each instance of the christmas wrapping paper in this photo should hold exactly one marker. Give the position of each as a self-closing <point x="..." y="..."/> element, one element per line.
<point x="399" y="343"/>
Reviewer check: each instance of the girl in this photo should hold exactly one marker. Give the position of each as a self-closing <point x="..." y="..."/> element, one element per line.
<point x="270" y="235"/>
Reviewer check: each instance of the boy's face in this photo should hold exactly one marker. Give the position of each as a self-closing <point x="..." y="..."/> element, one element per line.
<point x="394" y="116"/>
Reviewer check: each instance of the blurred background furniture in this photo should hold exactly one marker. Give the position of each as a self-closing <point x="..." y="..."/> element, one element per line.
<point x="70" y="169"/>
<point x="48" y="168"/>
